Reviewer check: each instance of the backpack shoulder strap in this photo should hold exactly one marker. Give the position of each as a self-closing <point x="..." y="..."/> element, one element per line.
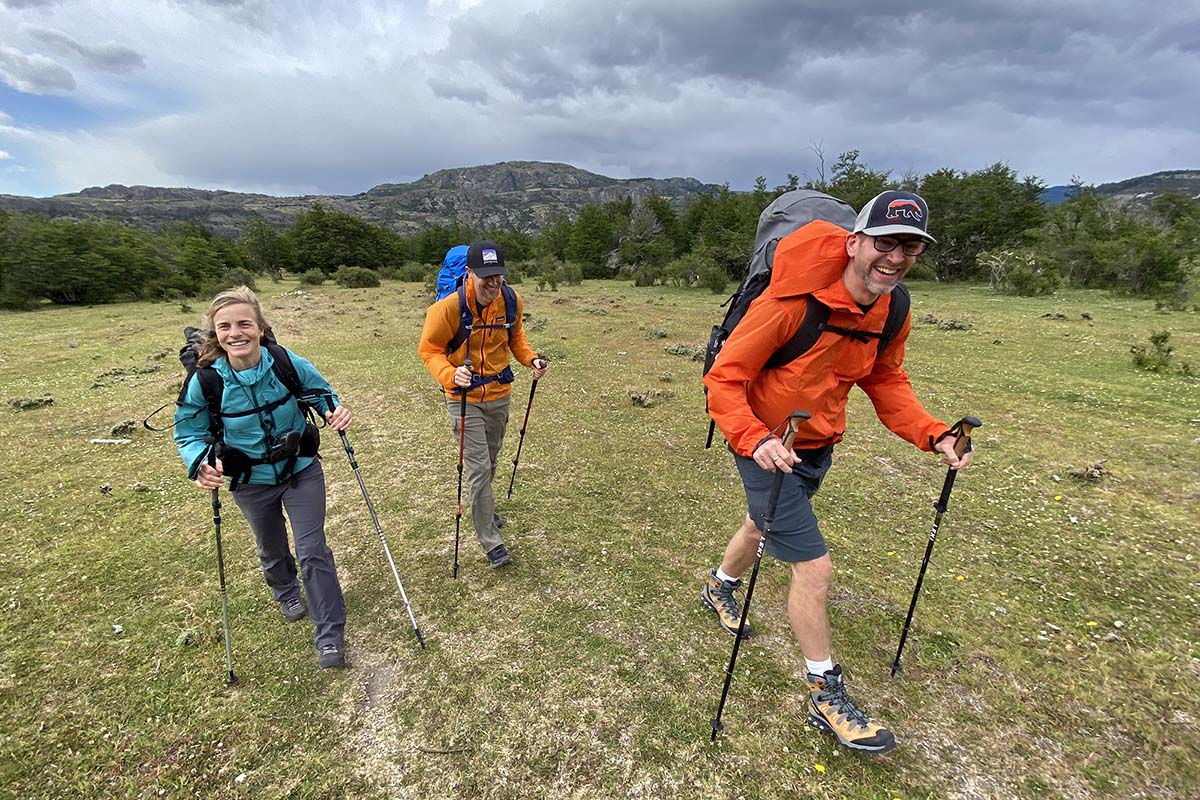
<point x="284" y="369"/>
<point x="464" y="322"/>
<point x="213" y="388"/>
<point x="897" y="313"/>
<point x="816" y="314"/>
<point x="510" y="306"/>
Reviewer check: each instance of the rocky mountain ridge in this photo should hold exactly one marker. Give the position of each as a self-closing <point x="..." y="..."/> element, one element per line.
<point x="524" y="195"/>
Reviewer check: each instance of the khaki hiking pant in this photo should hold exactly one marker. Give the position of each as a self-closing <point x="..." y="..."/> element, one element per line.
<point x="486" y="423"/>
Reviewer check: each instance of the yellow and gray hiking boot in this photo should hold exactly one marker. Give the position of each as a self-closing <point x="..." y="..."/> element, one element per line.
<point x="831" y="710"/>
<point x="717" y="596"/>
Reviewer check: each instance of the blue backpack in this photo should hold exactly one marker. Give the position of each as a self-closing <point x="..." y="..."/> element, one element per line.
<point x="453" y="271"/>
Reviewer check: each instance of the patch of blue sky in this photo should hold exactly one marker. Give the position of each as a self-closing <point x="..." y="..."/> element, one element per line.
<point x="68" y="113"/>
<point x="49" y="112"/>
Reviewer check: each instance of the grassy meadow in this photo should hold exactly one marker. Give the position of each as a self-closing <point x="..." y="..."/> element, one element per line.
<point x="1055" y="651"/>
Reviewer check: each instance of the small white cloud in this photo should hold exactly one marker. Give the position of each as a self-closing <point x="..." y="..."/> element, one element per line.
<point x="4" y="154"/>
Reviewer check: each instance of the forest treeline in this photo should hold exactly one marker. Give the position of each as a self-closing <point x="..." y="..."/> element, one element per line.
<point x="990" y="224"/>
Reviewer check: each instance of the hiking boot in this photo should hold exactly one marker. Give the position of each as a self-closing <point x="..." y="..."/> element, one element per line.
<point x="498" y="557"/>
<point x="292" y="608"/>
<point x="717" y="596"/>
<point x="331" y="656"/>
<point x="831" y="710"/>
<point x="498" y="520"/>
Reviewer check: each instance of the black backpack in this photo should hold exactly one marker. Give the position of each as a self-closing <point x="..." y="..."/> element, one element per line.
<point x="788" y="213"/>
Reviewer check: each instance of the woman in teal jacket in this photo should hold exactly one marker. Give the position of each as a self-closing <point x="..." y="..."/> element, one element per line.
<point x="264" y="450"/>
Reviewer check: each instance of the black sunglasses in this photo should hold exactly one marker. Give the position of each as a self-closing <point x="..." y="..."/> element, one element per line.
<point x="910" y="247"/>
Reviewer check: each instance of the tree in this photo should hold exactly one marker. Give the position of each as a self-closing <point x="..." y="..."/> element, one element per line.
<point x="591" y="241"/>
<point x="970" y="213"/>
<point x="855" y="182"/>
<point x="263" y="248"/>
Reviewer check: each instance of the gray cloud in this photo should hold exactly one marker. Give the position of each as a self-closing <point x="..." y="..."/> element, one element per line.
<point x="336" y="98"/>
<point x="112" y="58"/>
<point x="33" y="73"/>
<point x="30" y="3"/>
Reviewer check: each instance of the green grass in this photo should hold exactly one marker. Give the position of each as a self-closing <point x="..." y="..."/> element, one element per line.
<point x="589" y="669"/>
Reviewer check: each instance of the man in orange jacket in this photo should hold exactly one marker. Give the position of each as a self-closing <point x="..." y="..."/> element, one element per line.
<point x="475" y="361"/>
<point x="853" y="275"/>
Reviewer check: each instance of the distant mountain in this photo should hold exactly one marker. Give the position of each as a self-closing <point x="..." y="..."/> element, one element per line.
<point x="1055" y="195"/>
<point x="524" y="195"/>
<point x="1145" y="188"/>
<point x="1140" y="190"/>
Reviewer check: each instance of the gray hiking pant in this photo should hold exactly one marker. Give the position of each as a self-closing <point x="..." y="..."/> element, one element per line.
<point x="486" y="423"/>
<point x="303" y="497"/>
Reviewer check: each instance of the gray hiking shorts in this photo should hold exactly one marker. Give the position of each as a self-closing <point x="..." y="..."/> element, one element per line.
<point x="795" y="535"/>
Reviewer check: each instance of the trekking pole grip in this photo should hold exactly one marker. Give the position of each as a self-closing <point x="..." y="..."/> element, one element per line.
<point x="794" y="421"/>
<point x="962" y="429"/>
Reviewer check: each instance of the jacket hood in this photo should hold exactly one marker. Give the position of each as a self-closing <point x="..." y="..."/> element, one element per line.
<point x="808" y="259"/>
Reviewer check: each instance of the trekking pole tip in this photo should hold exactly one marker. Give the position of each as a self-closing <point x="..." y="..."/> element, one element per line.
<point x="717" y="727"/>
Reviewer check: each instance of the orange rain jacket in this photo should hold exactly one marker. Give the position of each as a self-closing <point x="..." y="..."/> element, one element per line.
<point x="749" y="403"/>
<point x="488" y="347"/>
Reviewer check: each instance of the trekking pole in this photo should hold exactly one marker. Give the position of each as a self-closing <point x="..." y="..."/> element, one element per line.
<point x="521" y="441"/>
<point x="230" y="678"/>
<point x="378" y="528"/>
<point x="793" y="423"/>
<point x="962" y="429"/>
<point x="462" y="441"/>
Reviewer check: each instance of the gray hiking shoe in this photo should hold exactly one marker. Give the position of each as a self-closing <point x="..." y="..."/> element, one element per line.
<point x="330" y="656"/>
<point x="498" y="557"/>
<point x="717" y="596"/>
<point x="831" y="710"/>
<point x="292" y="608"/>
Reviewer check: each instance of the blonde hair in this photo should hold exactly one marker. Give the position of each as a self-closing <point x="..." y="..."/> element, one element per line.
<point x="210" y="350"/>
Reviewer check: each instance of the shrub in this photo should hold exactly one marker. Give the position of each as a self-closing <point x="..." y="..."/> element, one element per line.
<point x="713" y="278"/>
<point x="238" y="277"/>
<point x="570" y="273"/>
<point x="1156" y="358"/>
<point x="1018" y="272"/>
<point x="409" y="272"/>
<point x="314" y="277"/>
<point x="355" y="277"/>
<point x="693" y="351"/>
<point x="647" y="275"/>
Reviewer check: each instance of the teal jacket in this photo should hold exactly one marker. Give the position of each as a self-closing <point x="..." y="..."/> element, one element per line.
<point x="245" y="390"/>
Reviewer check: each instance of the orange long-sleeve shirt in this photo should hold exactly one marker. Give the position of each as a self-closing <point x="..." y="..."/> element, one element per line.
<point x="748" y="402"/>
<point x="488" y="347"/>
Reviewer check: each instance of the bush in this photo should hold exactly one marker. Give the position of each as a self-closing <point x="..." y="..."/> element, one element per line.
<point x="314" y="277"/>
<point x="922" y="271"/>
<point x="238" y="277"/>
<point x="1018" y="272"/>
<point x="570" y="273"/>
<point x="1156" y="358"/>
<point x="409" y="272"/>
<point x="647" y="275"/>
<point x="355" y="277"/>
<point x="713" y="278"/>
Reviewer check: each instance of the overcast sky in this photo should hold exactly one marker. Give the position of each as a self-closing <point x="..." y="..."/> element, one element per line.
<point x="334" y="98"/>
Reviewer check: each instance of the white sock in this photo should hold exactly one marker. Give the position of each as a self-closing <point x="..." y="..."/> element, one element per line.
<point x="819" y="667"/>
<point x="721" y="576"/>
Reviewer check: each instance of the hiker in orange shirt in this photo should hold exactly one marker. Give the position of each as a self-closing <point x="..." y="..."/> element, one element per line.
<point x="465" y="345"/>
<point x="855" y="276"/>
